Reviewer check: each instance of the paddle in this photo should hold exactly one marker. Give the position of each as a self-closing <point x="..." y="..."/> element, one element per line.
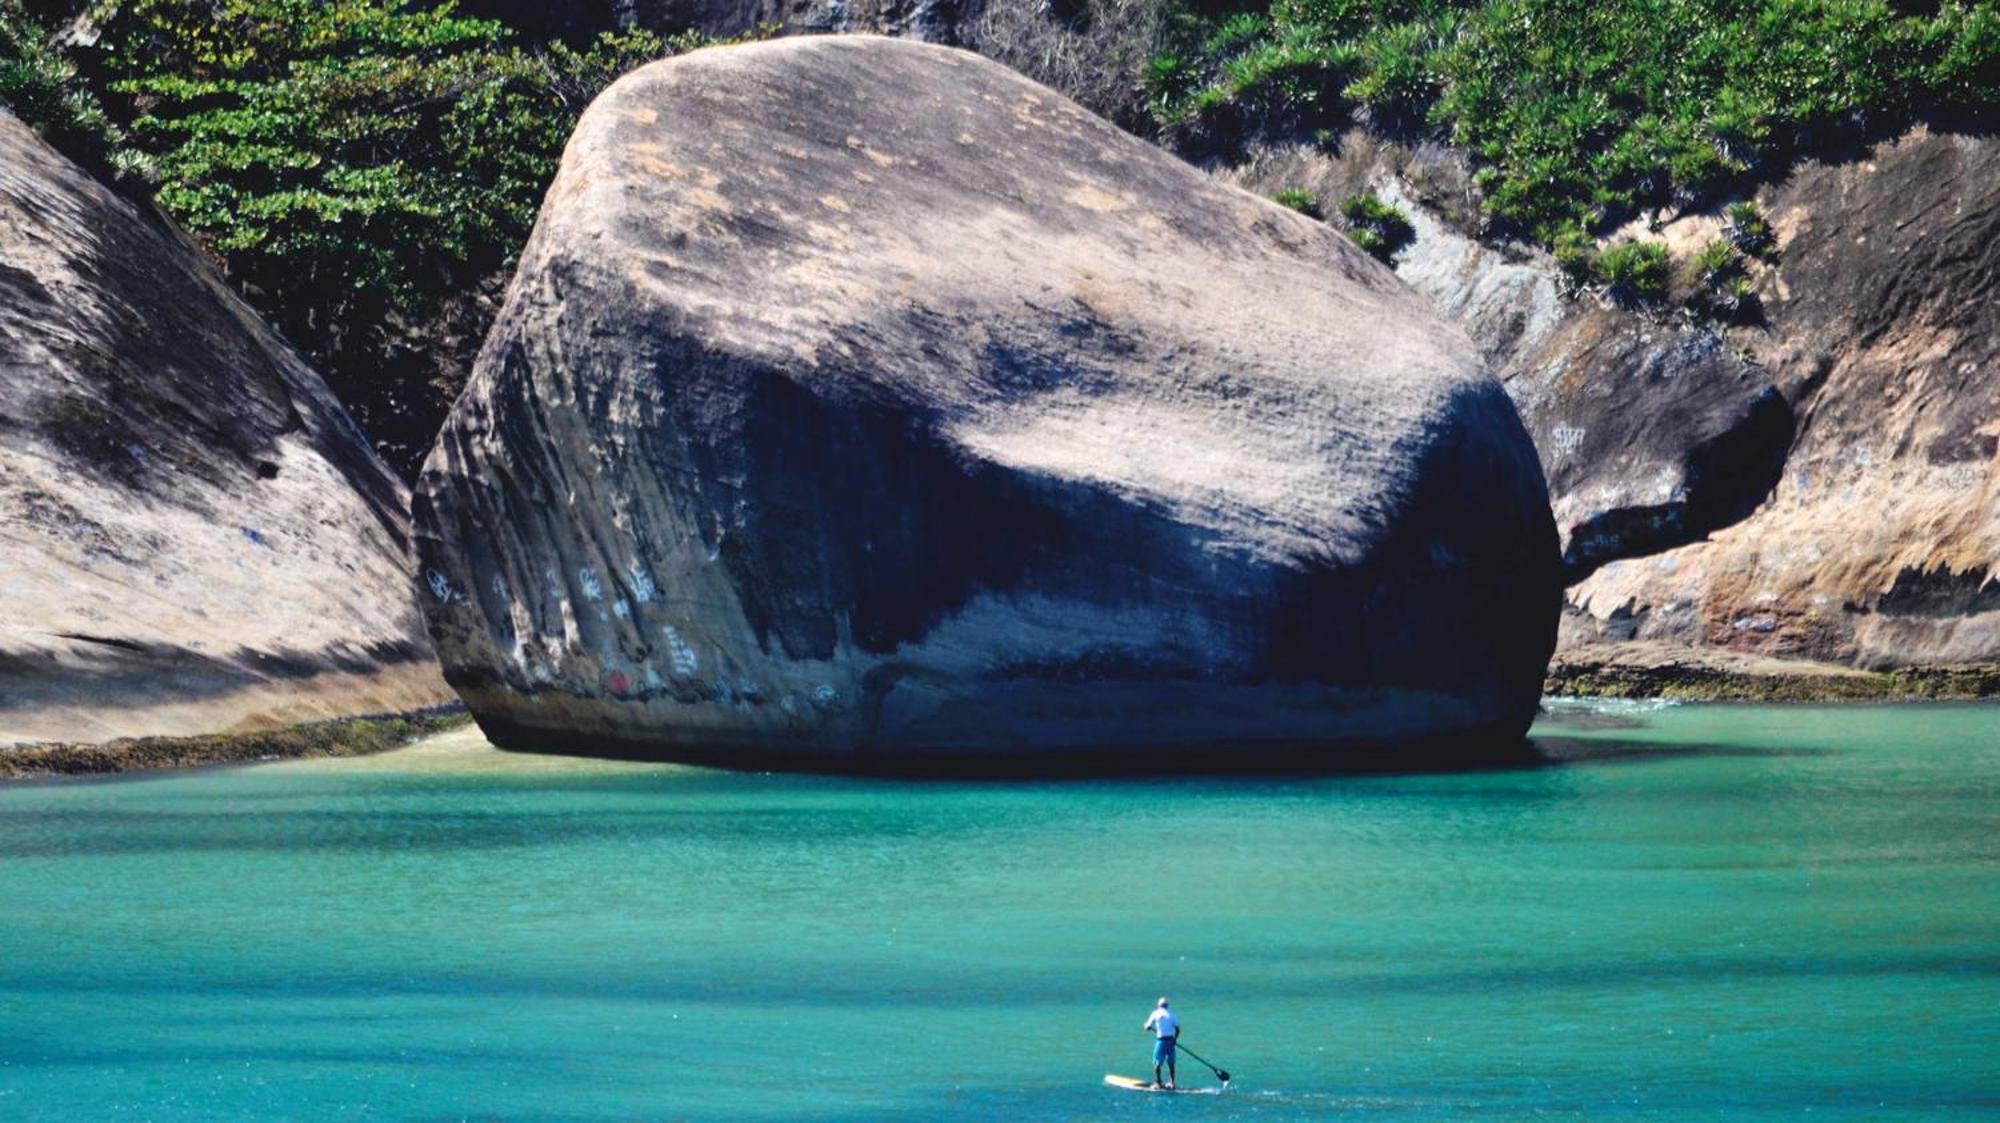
<point x="1220" y="1074"/>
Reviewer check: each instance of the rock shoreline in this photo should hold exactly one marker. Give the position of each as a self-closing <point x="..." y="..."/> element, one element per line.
<point x="1702" y="679"/>
<point x="341" y="737"/>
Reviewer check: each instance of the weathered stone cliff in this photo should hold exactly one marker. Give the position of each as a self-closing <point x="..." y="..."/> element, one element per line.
<point x="193" y="536"/>
<point x="1878" y="546"/>
<point x="1818" y="485"/>
<point x="860" y="403"/>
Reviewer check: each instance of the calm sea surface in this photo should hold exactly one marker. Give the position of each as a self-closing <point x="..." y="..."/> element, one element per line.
<point x="1697" y="912"/>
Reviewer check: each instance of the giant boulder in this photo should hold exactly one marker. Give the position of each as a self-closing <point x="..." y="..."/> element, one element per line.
<point x="194" y="537"/>
<point x="861" y="404"/>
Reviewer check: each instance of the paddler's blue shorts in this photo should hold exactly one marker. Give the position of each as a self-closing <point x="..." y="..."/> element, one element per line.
<point x="1163" y="1051"/>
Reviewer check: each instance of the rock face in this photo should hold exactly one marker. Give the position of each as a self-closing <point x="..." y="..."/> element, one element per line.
<point x="1819" y="486"/>
<point x="861" y="404"/>
<point x="1879" y="545"/>
<point x="193" y="536"/>
<point x="1652" y="433"/>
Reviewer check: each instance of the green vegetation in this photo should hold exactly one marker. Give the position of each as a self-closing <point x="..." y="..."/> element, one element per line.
<point x="41" y="86"/>
<point x="353" y="164"/>
<point x="1580" y="112"/>
<point x="1714" y="281"/>
<point x="1745" y="226"/>
<point x="349" y="149"/>
<point x="1300" y="200"/>
<point x="1575" y="254"/>
<point x="1716" y="262"/>
<point x="1376" y="226"/>
<point x="1635" y="271"/>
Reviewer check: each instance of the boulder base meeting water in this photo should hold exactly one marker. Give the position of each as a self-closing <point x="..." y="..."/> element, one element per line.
<point x="1734" y="912"/>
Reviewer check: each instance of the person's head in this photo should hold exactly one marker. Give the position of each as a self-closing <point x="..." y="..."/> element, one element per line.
<point x="1163" y="1002"/>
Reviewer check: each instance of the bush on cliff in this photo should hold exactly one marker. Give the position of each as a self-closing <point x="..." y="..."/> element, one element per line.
<point x="1580" y="112"/>
<point x="39" y="83"/>
<point x="357" y="166"/>
<point x="1301" y="200"/>
<point x="1636" y="272"/>
<point x="353" y="164"/>
<point x="1376" y="226"/>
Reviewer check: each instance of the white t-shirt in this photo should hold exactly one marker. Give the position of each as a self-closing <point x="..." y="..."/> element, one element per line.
<point x="1162" y="1022"/>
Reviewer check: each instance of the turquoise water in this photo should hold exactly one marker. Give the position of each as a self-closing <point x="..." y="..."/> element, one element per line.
<point x="1700" y="912"/>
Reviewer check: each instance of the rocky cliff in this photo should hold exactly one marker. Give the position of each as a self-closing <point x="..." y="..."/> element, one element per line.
<point x="1877" y="546"/>
<point x="193" y="535"/>
<point x="861" y="404"/>
<point x="1818" y="484"/>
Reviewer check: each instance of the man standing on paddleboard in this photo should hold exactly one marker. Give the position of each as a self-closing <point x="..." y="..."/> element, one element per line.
<point x="1166" y="1027"/>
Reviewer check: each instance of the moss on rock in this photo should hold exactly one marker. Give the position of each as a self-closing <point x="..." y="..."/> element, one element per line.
<point x="357" y="736"/>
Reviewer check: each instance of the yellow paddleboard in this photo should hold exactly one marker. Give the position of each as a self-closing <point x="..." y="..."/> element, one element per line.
<point x="1135" y="1085"/>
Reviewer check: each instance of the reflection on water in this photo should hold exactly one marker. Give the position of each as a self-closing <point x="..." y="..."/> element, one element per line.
<point x="1682" y="911"/>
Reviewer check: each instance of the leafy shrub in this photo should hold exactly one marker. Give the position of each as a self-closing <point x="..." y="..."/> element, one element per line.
<point x="1237" y="32"/>
<point x="1716" y="262"/>
<point x="351" y="147"/>
<point x="1580" y="112"/>
<point x="1576" y="257"/>
<point x="1168" y="82"/>
<point x="1739" y="300"/>
<point x="1245" y="63"/>
<point x="1716" y="283"/>
<point x="1636" y="271"/>
<point x="358" y="166"/>
<point x="40" y="84"/>
<point x="1399" y="75"/>
<point x="1300" y="200"/>
<point x="1376" y="226"/>
<point x="1744" y="225"/>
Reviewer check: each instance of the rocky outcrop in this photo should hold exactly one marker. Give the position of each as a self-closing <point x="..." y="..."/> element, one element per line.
<point x="1653" y="432"/>
<point x="193" y="536"/>
<point x="861" y="404"/>
<point x="1879" y="546"/>
<point x="1819" y="485"/>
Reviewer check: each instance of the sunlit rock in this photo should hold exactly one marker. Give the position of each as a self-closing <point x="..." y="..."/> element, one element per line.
<point x="861" y="404"/>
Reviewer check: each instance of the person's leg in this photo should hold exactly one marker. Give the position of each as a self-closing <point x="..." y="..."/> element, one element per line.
<point x="1159" y="1055"/>
<point x="1173" y="1079"/>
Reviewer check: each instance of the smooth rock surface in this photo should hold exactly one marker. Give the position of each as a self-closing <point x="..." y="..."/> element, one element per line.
<point x="194" y="538"/>
<point x="859" y="403"/>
